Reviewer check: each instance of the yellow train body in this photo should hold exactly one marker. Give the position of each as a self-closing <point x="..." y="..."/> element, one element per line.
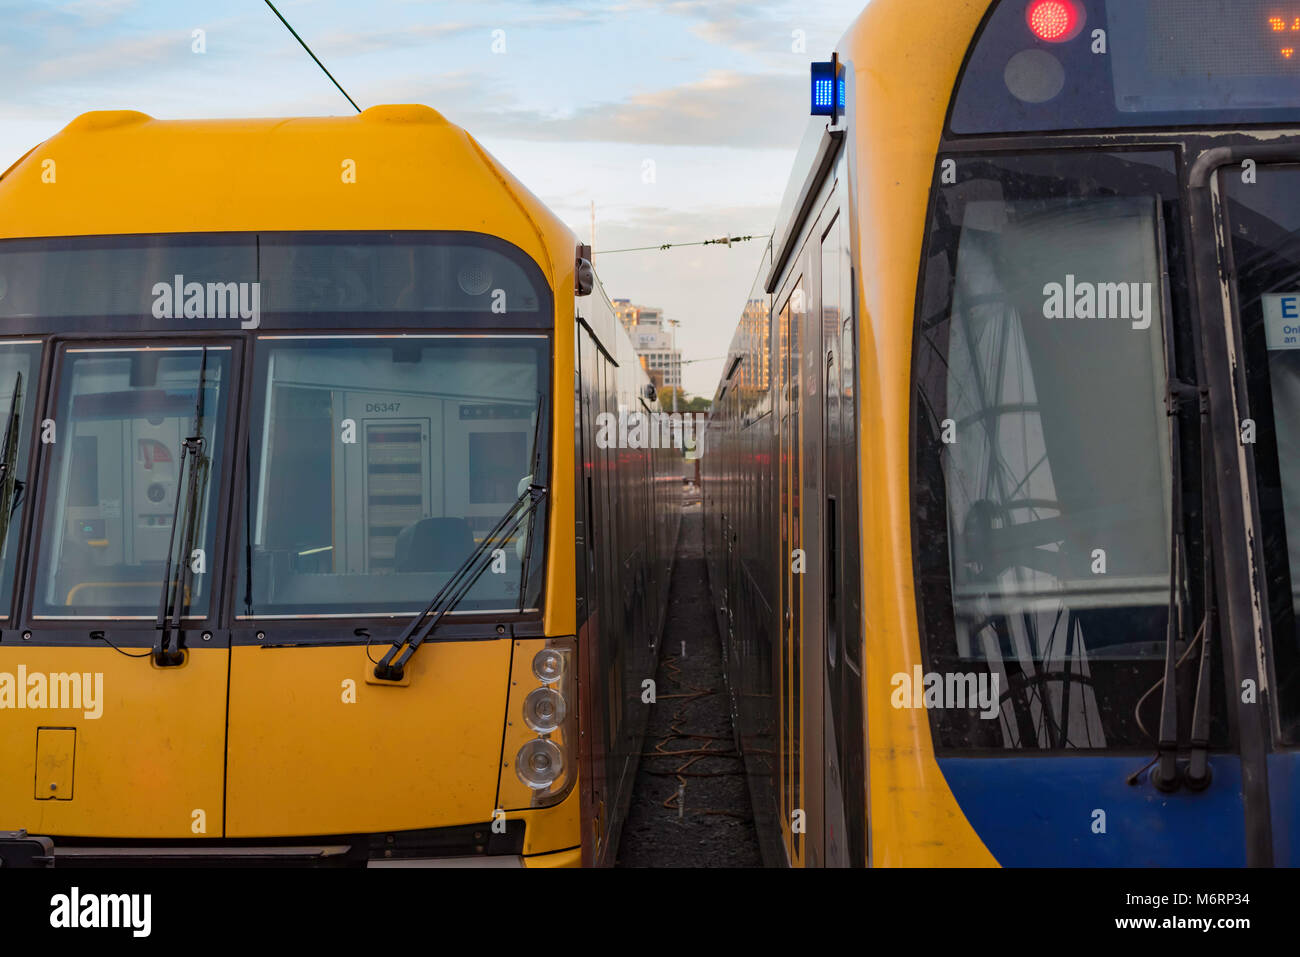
<point x="291" y="739"/>
<point x="895" y="135"/>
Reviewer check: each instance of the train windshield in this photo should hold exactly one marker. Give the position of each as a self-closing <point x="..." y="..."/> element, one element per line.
<point x="376" y="464"/>
<point x="1043" y="459"/>
<point x="1264" y="218"/>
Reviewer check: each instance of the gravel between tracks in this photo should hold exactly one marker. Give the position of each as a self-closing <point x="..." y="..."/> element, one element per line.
<point x="690" y="808"/>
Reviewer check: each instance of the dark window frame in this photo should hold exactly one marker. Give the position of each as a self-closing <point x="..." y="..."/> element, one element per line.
<point x="948" y="739"/>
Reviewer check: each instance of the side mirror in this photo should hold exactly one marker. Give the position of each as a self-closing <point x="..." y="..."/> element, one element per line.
<point x="584" y="274"/>
<point x="650" y="393"/>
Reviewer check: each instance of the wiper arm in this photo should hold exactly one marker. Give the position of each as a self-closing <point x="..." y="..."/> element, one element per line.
<point x="171" y="604"/>
<point x="1197" y="775"/>
<point x="469" y="572"/>
<point x="11" y="488"/>
<point x="390" y="668"/>
<point x="532" y="515"/>
<point x="1165" y="774"/>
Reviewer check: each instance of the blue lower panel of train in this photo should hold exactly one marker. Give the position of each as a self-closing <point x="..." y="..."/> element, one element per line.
<point x="1047" y="812"/>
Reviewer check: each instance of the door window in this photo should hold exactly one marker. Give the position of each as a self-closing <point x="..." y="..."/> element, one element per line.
<point x="117" y="462"/>
<point x="19" y="365"/>
<point x="1264" y="223"/>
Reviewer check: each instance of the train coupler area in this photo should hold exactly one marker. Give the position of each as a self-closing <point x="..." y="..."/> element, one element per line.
<point x="20" y="849"/>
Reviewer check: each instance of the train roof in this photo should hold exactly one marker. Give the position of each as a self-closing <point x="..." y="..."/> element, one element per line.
<point x="124" y="172"/>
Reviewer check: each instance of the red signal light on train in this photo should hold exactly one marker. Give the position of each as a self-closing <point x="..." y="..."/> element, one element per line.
<point x="1055" y="21"/>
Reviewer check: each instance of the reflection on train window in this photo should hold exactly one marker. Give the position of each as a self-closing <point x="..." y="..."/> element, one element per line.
<point x="1044" y="469"/>
<point x="1060" y="444"/>
<point x="1264" y="217"/>
<point x="378" y="464"/>
<point x="493" y="458"/>
<point x="19" y="362"/>
<point x="114" y="472"/>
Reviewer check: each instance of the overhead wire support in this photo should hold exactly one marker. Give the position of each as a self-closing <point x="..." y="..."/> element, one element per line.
<point x="290" y="28"/>
<point x="724" y="241"/>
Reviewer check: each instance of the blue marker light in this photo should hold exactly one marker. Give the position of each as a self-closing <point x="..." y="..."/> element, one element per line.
<point x="822" y="96"/>
<point x="827" y="89"/>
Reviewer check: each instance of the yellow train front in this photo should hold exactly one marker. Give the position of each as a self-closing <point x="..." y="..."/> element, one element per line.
<point x="290" y="485"/>
<point x="1000" y="495"/>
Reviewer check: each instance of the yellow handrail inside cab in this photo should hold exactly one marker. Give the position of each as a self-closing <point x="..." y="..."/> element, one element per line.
<point x="154" y="585"/>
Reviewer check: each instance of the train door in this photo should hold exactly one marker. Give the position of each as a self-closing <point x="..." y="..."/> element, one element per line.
<point x="600" y="697"/>
<point x="591" y="698"/>
<point x="793" y="561"/>
<point x="618" y="673"/>
<point x="842" y="715"/>
<point x="129" y="740"/>
<point x="812" y="508"/>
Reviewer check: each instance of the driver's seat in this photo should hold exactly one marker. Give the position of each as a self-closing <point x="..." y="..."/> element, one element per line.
<point x="433" y="545"/>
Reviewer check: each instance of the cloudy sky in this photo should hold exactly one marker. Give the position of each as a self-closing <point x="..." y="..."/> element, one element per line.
<point x="677" y="118"/>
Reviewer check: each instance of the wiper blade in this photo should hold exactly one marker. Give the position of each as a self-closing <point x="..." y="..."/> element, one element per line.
<point x="11" y="487"/>
<point x="167" y="648"/>
<point x="532" y="515"/>
<point x="392" y="666"/>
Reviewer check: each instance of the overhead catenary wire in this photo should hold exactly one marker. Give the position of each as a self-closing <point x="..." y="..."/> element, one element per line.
<point x="290" y="28"/>
<point x="724" y="241"/>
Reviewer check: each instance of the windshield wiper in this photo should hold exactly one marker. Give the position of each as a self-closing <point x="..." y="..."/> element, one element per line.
<point x="11" y="487"/>
<point x="392" y="666"/>
<point x="457" y="587"/>
<point x="1165" y="776"/>
<point x="532" y="514"/>
<point x="171" y="605"/>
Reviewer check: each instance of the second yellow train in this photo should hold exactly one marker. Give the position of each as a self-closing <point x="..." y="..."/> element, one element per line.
<point x="999" y="507"/>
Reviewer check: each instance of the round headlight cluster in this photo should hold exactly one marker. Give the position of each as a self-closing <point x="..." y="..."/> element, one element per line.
<point x="544" y="710"/>
<point x="539" y="764"/>
<point x="548" y="665"/>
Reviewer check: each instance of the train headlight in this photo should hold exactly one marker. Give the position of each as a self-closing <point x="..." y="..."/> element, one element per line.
<point x="544" y="744"/>
<point x="539" y="764"/>
<point x="544" y="710"/>
<point x="548" y="665"/>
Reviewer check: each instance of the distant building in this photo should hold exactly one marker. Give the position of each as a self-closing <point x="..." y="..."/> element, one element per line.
<point x="652" y="337"/>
